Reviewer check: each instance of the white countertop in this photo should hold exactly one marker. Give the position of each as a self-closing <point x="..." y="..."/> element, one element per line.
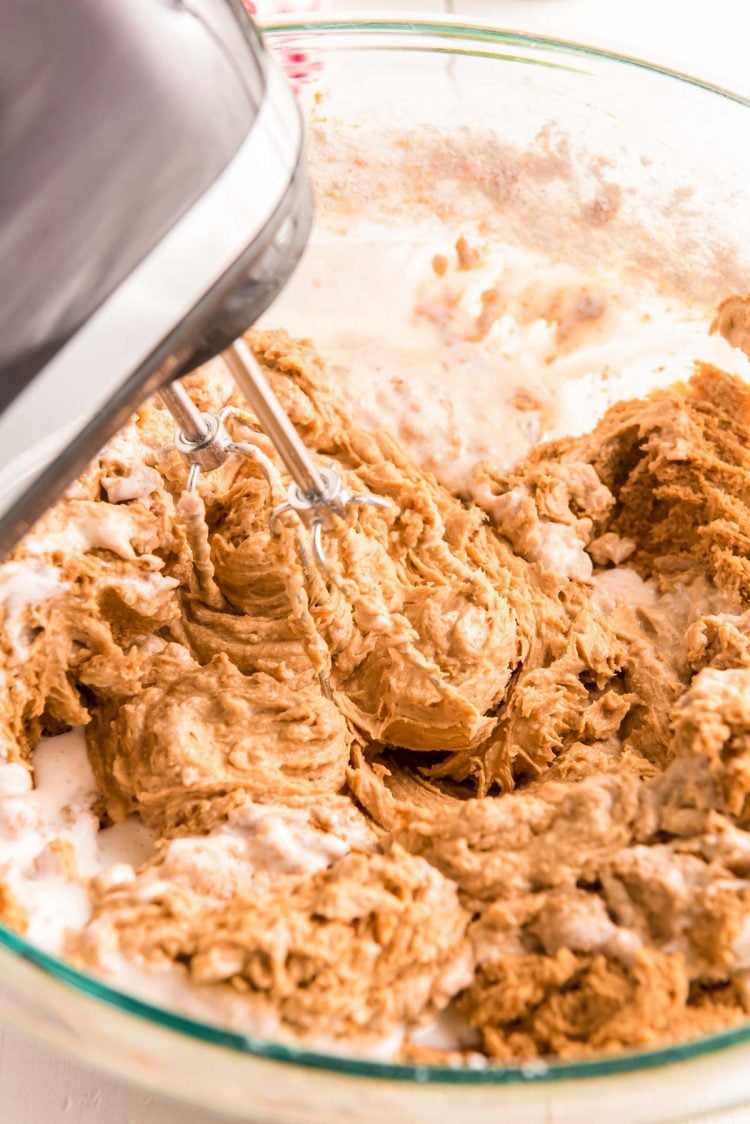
<point x="707" y="39"/>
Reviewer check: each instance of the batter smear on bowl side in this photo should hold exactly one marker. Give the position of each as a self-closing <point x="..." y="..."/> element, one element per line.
<point x="519" y="828"/>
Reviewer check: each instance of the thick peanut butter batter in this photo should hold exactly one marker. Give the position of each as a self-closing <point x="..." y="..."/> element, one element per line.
<point x="528" y="800"/>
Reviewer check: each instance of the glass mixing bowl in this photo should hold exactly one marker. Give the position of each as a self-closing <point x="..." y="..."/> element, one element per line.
<point x="550" y="144"/>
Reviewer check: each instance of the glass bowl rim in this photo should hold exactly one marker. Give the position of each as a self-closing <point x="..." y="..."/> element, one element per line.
<point x="486" y="34"/>
<point x="479" y="30"/>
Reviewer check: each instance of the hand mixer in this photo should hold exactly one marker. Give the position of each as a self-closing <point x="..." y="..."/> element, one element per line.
<point x="153" y="202"/>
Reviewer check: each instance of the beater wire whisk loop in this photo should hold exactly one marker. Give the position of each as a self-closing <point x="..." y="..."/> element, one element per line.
<point x="317" y="510"/>
<point x="315" y="495"/>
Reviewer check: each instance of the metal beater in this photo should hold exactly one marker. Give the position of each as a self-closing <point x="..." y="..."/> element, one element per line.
<point x="315" y="495"/>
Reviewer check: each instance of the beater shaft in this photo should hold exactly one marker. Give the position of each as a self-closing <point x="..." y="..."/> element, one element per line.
<point x="274" y="421"/>
<point x="190" y="421"/>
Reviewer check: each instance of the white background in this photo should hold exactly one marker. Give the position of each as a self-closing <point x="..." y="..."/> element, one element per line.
<point x="706" y="38"/>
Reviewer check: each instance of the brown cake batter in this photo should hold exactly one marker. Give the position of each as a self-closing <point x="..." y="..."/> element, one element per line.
<point x="528" y="799"/>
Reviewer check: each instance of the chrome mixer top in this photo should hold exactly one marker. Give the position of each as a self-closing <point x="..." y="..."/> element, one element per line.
<point x="150" y="211"/>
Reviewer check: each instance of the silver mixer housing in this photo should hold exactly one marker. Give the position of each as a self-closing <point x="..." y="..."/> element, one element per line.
<point x="153" y="201"/>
